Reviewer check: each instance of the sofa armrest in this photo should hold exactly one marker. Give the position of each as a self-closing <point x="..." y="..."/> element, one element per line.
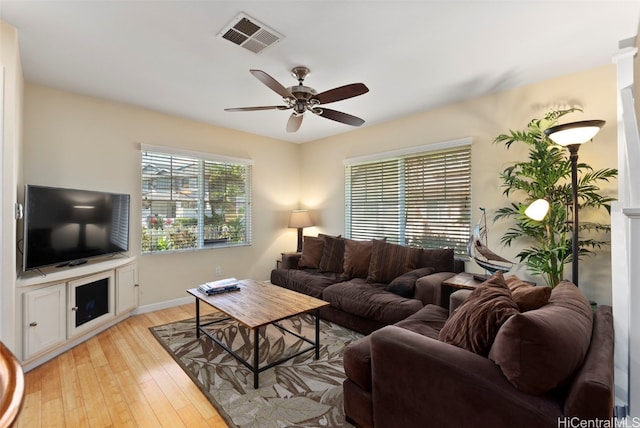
<point x="419" y="381"/>
<point x="290" y="260"/>
<point x="457" y="298"/>
<point x="429" y="288"/>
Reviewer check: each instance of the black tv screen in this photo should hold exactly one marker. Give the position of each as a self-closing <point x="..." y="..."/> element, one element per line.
<point x="67" y="226"/>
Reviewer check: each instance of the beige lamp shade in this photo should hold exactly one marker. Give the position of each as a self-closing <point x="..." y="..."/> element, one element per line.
<point x="299" y="219"/>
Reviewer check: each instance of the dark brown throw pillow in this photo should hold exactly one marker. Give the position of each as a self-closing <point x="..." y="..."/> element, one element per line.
<point x="389" y="261"/>
<point x="526" y="295"/>
<point x="405" y="284"/>
<point x="357" y="256"/>
<point x="312" y="248"/>
<point x="540" y="350"/>
<point x="473" y="326"/>
<point x="332" y="254"/>
<point x="441" y="259"/>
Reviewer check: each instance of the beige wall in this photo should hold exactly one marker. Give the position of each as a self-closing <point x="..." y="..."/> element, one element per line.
<point x="77" y="141"/>
<point x="10" y="172"/>
<point x="82" y="142"/>
<point x="482" y="119"/>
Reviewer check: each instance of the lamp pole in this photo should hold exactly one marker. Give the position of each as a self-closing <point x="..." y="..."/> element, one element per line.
<point x="571" y="135"/>
<point x="575" y="248"/>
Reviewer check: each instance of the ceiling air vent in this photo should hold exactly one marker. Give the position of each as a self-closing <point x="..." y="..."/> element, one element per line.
<point x="250" y="34"/>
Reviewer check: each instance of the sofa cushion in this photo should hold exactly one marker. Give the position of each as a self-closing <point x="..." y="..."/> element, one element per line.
<point x="531" y="297"/>
<point x="332" y="254"/>
<point x="356" y="361"/>
<point x="441" y="259"/>
<point x="527" y="295"/>
<point x="357" y="256"/>
<point x="307" y="281"/>
<point x="474" y="325"/>
<point x="312" y="248"/>
<point x="370" y="301"/>
<point x="357" y="355"/>
<point x="592" y="388"/>
<point x="405" y="284"/>
<point x="428" y="321"/>
<point x="388" y="261"/>
<point x="540" y="350"/>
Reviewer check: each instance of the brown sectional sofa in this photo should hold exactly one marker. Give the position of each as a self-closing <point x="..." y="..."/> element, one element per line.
<point x="528" y="368"/>
<point x="369" y="284"/>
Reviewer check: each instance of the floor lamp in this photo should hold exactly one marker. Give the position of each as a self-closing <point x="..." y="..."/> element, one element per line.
<point x="300" y="219"/>
<point x="571" y="136"/>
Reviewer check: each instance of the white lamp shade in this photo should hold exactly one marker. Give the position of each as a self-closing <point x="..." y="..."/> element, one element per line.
<point x="300" y="218"/>
<point x="575" y="132"/>
<point x="537" y="210"/>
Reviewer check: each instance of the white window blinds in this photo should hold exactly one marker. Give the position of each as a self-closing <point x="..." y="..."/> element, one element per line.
<point x="189" y="202"/>
<point x="421" y="199"/>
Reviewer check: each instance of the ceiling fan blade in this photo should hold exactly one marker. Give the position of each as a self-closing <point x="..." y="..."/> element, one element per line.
<point x="257" y="108"/>
<point x="342" y="93"/>
<point x="294" y="122"/>
<point x="339" y="116"/>
<point x="272" y="83"/>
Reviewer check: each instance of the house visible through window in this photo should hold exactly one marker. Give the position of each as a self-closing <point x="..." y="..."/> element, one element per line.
<point x="420" y="199"/>
<point x="192" y="201"/>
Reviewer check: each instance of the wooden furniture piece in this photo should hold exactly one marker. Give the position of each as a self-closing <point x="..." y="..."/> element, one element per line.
<point x="461" y="281"/>
<point x="11" y="387"/>
<point x="51" y="322"/>
<point x="464" y="280"/>
<point x="258" y="304"/>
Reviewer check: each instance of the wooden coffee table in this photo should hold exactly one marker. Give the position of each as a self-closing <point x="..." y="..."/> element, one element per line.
<point x="258" y="304"/>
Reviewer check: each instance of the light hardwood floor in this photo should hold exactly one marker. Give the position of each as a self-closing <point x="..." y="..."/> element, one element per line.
<point x="120" y="378"/>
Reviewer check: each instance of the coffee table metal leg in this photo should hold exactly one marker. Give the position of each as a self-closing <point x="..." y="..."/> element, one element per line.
<point x="256" y="357"/>
<point x="197" y="318"/>
<point x="317" y="314"/>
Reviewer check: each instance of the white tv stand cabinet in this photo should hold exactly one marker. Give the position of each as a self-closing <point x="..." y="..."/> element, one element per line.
<point x="47" y="312"/>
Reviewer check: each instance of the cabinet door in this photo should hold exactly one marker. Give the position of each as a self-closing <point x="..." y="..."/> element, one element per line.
<point x="126" y="288"/>
<point x="44" y="319"/>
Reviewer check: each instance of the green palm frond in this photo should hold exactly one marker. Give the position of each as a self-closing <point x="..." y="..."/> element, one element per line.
<point x="546" y="174"/>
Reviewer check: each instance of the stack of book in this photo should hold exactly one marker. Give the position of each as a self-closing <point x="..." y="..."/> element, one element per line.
<point x="221" y="286"/>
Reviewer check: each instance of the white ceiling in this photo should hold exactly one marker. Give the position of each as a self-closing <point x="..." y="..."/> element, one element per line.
<point x="413" y="55"/>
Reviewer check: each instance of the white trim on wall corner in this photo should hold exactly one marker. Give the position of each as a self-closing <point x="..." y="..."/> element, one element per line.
<point x="400" y="153"/>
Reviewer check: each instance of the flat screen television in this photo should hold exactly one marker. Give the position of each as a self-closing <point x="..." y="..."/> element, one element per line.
<point x="65" y="227"/>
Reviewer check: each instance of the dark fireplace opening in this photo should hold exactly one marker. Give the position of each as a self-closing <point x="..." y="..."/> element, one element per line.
<point x="92" y="301"/>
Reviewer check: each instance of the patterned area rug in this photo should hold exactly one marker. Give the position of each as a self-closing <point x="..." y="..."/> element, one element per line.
<point x="301" y="392"/>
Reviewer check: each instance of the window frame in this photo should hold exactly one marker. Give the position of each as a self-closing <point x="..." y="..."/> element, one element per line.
<point x="202" y="160"/>
<point x="397" y="220"/>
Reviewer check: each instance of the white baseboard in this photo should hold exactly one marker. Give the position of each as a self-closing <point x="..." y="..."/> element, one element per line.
<point x="163" y="305"/>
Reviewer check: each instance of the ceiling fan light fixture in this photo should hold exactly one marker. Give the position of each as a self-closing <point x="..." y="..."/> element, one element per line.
<point x="301" y="98"/>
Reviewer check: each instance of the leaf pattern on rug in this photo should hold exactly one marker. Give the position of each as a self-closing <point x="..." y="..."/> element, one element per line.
<point x="300" y="392"/>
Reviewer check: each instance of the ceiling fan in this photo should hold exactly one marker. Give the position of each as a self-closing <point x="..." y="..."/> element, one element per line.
<point x="302" y="98"/>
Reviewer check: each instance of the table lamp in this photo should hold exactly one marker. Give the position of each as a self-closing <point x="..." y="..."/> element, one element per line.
<point x="299" y="220"/>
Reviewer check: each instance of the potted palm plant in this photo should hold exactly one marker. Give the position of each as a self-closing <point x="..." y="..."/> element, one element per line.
<point x="546" y="175"/>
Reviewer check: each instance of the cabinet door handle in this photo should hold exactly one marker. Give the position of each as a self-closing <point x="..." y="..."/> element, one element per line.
<point x="136" y="285"/>
<point x="75" y="308"/>
<point x="33" y="324"/>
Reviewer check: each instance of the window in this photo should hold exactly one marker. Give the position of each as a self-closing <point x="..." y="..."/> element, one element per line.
<point x="421" y="198"/>
<point x="194" y="200"/>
